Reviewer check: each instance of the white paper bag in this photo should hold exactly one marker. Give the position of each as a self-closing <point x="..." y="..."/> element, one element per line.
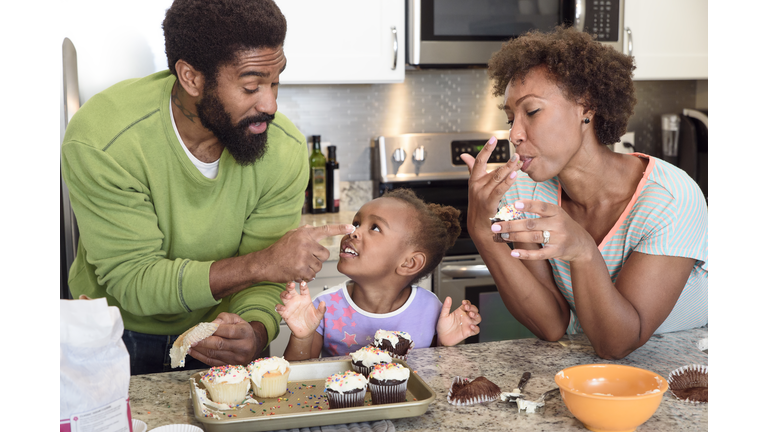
<point x="95" y="368"/>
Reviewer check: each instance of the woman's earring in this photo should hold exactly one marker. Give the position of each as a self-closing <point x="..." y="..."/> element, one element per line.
<point x="586" y="121"/>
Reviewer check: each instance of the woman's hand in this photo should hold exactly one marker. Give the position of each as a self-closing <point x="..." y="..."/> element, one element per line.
<point x="458" y="325"/>
<point x="568" y="240"/>
<point x="298" y="311"/>
<point x="486" y="188"/>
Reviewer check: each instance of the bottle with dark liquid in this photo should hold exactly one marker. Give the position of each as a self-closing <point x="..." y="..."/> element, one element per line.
<point x="317" y="177"/>
<point x="332" y="190"/>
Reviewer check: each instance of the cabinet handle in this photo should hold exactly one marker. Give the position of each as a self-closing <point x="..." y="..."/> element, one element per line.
<point x="394" y="35"/>
<point x="629" y="41"/>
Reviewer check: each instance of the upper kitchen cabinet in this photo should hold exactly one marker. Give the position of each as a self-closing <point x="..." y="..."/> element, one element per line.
<point x="667" y="38"/>
<point x="344" y="41"/>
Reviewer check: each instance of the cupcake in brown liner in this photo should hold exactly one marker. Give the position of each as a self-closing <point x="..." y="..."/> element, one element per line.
<point x="690" y="383"/>
<point x="364" y="359"/>
<point x="464" y="392"/>
<point x="388" y="383"/>
<point x="346" y="390"/>
<point x="397" y="343"/>
<point x="505" y="213"/>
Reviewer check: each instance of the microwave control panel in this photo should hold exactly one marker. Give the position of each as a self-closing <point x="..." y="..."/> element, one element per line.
<point x="602" y="19"/>
<point x="501" y="153"/>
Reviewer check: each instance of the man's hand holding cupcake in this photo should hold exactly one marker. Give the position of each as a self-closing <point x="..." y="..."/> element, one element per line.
<point x="454" y="327"/>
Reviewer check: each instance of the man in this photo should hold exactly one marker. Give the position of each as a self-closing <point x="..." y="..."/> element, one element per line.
<point x="187" y="186"/>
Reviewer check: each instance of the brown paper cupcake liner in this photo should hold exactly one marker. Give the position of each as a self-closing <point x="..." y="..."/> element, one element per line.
<point x="690" y="383"/>
<point x="353" y="398"/>
<point x="464" y="392"/>
<point x="387" y="393"/>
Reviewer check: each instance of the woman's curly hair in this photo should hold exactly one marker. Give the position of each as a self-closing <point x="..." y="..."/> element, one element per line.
<point x="586" y="71"/>
<point x="436" y="230"/>
<point x="209" y="33"/>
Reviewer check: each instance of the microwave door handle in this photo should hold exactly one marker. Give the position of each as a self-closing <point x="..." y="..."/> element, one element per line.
<point x="465" y="271"/>
<point x="394" y="36"/>
<point x="578" y="15"/>
<point x="629" y="42"/>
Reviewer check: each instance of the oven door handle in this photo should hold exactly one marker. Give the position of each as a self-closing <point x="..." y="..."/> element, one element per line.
<point x="465" y="271"/>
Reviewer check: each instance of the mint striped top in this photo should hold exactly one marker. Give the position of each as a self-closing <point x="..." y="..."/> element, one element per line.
<point x="666" y="216"/>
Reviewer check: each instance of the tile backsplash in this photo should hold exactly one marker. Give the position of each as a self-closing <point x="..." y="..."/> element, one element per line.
<point x="445" y="100"/>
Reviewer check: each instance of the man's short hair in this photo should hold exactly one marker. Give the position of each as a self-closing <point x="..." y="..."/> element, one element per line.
<point x="209" y="33"/>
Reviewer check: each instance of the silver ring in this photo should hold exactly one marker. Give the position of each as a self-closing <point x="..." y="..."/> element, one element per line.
<point x="545" y="233"/>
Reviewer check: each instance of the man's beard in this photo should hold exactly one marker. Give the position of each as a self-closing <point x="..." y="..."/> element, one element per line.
<point x="244" y="146"/>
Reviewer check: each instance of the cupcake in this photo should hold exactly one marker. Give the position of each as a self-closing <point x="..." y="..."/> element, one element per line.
<point x="398" y="344"/>
<point x="227" y="384"/>
<point x="505" y="213"/>
<point x="364" y="359"/>
<point x="388" y="383"/>
<point x="690" y="383"/>
<point x="345" y="390"/>
<point x="269" y="376"/>
<point x="464" y="392"/>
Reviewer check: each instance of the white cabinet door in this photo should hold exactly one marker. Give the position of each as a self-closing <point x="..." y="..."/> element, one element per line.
<point x="668" y="38"/>
<point x="344" y="41"/>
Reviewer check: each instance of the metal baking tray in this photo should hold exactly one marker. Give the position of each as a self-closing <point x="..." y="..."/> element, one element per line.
<point x="296" y="408"/>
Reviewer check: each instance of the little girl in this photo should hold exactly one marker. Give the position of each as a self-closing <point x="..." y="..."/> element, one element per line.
<point x="398" y="240"/>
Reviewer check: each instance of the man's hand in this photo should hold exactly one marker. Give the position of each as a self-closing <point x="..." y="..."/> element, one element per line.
<point x="298" y="311"/>
<point x="298" y="255"/>
<point x="458" y="325"/>
<point x="236" y="342"/>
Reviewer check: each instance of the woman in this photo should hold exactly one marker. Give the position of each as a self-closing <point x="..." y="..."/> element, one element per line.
<point x="613" y="245"/>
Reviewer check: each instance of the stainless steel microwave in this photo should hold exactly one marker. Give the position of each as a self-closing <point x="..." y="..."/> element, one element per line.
<point x="444" y="33"/>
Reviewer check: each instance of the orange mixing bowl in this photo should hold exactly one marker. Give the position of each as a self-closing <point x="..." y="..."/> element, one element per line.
<point x="609" y="397"/>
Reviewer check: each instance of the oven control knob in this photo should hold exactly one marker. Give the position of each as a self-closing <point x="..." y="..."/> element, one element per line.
<point x="399" y="155"/>
<point x="419" y="154"/>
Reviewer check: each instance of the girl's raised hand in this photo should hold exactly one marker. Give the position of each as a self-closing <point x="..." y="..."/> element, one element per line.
<point x="298" y="311"/>
<point x="454" y="327"/>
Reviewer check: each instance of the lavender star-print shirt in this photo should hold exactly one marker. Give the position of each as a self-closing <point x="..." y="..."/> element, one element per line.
<point x="346" y="328"/>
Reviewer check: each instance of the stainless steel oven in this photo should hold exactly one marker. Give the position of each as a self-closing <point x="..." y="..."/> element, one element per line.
<point x="429" y="164"/>
<point x="461" y="32"/>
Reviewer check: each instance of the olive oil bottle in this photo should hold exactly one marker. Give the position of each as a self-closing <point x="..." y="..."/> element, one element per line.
<point x="317" y="177"/>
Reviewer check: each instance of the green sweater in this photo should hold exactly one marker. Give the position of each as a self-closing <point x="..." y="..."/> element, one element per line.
<point x="151" y="224"/>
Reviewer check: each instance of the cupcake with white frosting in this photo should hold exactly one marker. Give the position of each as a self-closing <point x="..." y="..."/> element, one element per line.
<point x="269" y="376"/>
<point x="345" y="390"/>
<point x="364" y="359"/>
<point x="227" y="384"/>
<point x="388" y="383"/>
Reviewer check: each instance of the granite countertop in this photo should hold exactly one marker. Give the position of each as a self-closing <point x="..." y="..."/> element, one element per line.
<point x="160" y="399"/>
<point x="331" y="243"/>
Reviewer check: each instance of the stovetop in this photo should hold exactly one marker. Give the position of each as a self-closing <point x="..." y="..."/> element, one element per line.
<point x="432" y="156"/>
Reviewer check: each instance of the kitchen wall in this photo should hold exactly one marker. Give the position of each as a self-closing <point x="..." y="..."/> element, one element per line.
<point x="445" y="100"/>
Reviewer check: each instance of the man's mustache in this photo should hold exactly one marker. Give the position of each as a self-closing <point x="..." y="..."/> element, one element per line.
<point x="256" y="119"/>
